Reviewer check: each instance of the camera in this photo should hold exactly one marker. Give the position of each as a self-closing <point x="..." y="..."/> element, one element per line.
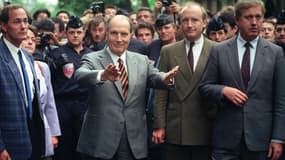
<point x="6" y="2"/>
<point x="44" y="39"/>
<point x="167" y="3"/>
<point x="98" y="7"/>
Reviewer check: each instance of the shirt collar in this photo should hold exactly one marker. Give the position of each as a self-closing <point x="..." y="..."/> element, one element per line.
<point x="253" y="42"/>
<point x="198" y="41"/>
<point x="11" y="47"/>
<point x="116" y="57"/>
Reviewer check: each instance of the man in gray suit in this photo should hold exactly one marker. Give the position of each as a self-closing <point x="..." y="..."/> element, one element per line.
<point x="245" y="77"/>
<point x="115" y="122"/>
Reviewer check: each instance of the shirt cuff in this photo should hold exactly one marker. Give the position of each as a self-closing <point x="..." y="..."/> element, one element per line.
<point x="99" y="75"/>
<point x="277" y="141"/>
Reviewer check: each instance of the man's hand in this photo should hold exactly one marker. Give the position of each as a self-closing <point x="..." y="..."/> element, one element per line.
<point x="158" y="136"/>
<point x="275" y="151"/>
<point x="168" y="77"/>
<point x="234" y="95"/>
<point x="4" y="155"/>
<point x="54" y="140"/>
<point x="111" y="73"/>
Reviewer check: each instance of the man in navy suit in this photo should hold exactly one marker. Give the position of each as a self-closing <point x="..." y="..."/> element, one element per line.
<point x="21" y="125"/>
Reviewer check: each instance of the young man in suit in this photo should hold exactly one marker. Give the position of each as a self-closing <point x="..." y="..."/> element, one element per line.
<point x="115" y="122"/>
<point x="21" y="124"/>
<point x="245" y="77"/>
<point x="179" y="115"/>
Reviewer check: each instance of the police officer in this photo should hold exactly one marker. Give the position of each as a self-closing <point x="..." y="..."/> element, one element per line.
<point x="165" y="28"/>
<point x="280" y="30"/>
<point x="216" y="30"/>
<point x="71" y="99"/>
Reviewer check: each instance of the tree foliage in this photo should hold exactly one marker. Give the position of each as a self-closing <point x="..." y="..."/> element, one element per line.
<point x="76" y="7"/>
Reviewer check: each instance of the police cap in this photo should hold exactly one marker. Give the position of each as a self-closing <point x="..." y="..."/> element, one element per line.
<point x="74" y="22"/>
<point x="162" y="20"/>
<point x="281" y="17"/>
<point x="215" y="24"/>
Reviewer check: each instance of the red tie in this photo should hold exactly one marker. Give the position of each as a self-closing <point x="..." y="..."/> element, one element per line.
<point x="123" y="78"/>
<point x="245" y="67"/>
<point x="191" y="57"/>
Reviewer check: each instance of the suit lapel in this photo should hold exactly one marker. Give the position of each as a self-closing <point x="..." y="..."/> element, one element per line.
<point x="13" y="67"/>
<point x="200" y="65"/>
<point x="258" y="62"/>
<point x="232" y="53"/>
<point x="181" y="60"/>
<point x="132" y="74"/>
<point x="105" y="61"/>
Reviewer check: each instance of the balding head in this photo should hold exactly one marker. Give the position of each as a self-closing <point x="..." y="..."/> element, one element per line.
<point x="119" y="34"/>
<point x="119" y="19"/>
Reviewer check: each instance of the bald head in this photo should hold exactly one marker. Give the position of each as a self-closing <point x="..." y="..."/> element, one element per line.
<point x="119" y="19"/>
<point x="194" y="6"/>
<point x="119" y="34"/>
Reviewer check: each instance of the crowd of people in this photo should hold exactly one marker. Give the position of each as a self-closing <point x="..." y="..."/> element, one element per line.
<point x="173" y="83"/>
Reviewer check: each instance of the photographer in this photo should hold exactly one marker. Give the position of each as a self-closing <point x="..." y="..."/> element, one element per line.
<point x="169" y="7"/>
<point x="46" y="40"/>
<point x="71" y="99"/>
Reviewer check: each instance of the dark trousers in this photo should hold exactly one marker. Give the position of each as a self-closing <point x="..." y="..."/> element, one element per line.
<point x="36" y="132"/>
<point x="71" y="115"/>
<point x="181" y="152"/>
<point x="241" y="152"/>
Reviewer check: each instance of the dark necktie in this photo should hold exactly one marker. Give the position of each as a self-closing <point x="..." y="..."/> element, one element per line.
<point x="123" y="77"/>
<point x="245" y="67"/>
<point x="27" y="86"/>
<point x="190" y="56"/>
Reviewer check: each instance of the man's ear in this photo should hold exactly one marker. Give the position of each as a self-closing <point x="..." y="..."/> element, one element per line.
<point x="3" y="27"/>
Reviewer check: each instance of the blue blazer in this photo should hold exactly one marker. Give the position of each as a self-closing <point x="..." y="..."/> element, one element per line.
<point x="14" y="130"/>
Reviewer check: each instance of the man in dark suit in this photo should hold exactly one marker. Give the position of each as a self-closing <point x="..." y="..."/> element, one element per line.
<point x="245" y="77"/>
<point x="21" y="125"/>
<point x="179" y="115"/>
<point x="115" y="122"/>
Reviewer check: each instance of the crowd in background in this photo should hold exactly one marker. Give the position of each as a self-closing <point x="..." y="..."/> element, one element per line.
<point x="179" y="126"/>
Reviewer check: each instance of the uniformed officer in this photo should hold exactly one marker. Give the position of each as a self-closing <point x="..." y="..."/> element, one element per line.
<point x="165" y="28"/>
<point x="280" y="30"/>
<point x="216" y="30"/>
<point x="71" y="99"/>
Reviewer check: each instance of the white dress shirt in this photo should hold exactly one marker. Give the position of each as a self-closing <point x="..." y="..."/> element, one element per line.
<point x="14" y="52"/>
<point x="197" y="49"/>
<point x="241" y="49"/>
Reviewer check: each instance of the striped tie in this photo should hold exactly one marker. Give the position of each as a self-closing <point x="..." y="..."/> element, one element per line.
<point x="123" y="77"/>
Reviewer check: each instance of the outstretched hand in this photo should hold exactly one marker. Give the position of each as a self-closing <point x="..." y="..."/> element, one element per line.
<point x="168" y="77"/>
<point x="111" y="73"/>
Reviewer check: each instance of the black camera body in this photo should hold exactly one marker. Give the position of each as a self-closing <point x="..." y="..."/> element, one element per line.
<point x="6" y="2"/>
<point x="44" y="39"/>
<point x="166" y="3"/>
<point x="98" y="7"/>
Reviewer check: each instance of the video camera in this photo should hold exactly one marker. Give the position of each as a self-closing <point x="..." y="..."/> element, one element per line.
<point x="98" y="7"/>
<point x="6" y="2"/>
<point x="166" y="3"/>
